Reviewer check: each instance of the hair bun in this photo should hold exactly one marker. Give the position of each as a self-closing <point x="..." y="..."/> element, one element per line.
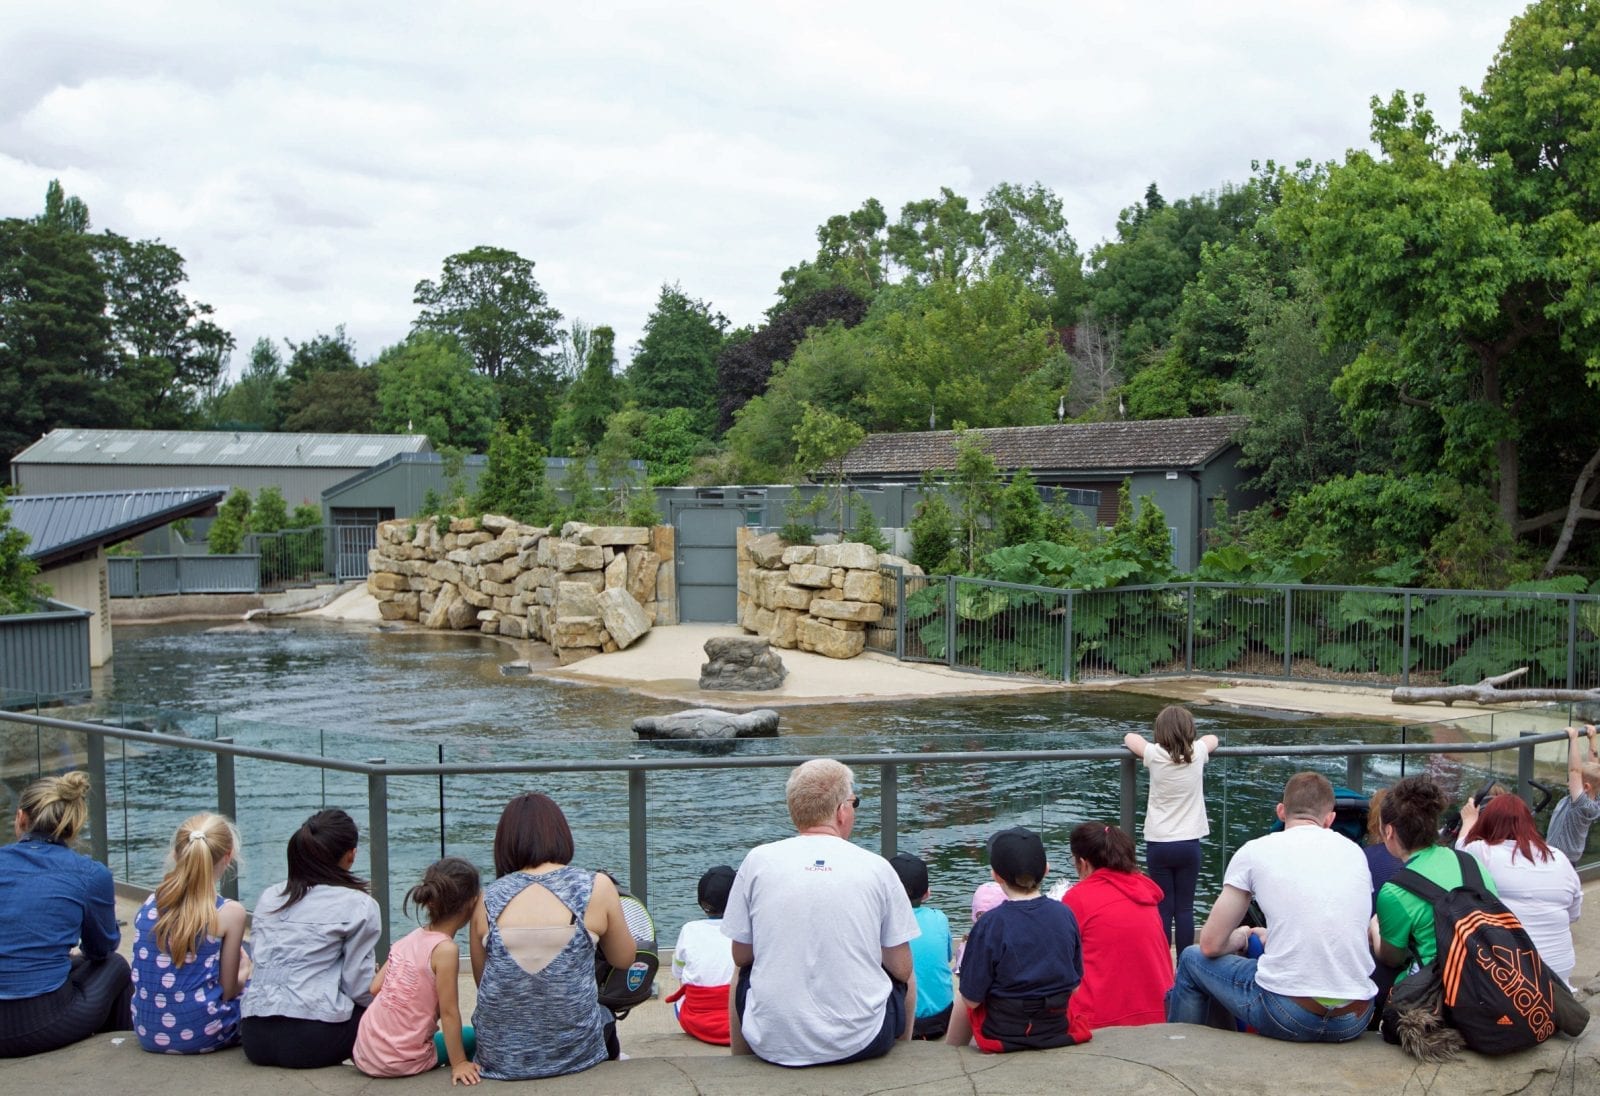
<point x="73" y="786"/>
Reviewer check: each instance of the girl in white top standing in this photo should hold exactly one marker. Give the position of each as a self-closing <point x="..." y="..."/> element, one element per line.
<point x="1175" y="815"/>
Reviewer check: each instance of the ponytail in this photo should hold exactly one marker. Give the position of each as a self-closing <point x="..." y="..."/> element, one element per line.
<point x="186" y="901"/>
<point x="56" y="806"/>
<point x="1103" y="847"/>
<point x="315" y="850"/>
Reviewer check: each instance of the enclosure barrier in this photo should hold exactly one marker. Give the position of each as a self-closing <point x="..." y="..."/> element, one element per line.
<point x="44" y="656"/>
<point x="318" y="553"/>
<point x="160" y="576"/>
<point x="888" y="765"/>
<point x="1334" y="634"/>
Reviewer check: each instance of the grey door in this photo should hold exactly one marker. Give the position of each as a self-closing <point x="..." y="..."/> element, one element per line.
<point x="708" y="578"/>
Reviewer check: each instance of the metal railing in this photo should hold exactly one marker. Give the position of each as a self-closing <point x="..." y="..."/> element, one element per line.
<point x="159" y="576"/>
<point x="317" y="553"/>
<point x="1349" y="634"/>
<point x="378" y="772"/>
<point x="45" y="655"/>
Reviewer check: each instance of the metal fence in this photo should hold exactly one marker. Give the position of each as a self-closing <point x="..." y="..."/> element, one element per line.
<point x="1357" y="635"/>
<point x="318" y="553"/>
<point x="158" y="576"/>
<point x="44" y="656"/>
<point x="889" y="768"/>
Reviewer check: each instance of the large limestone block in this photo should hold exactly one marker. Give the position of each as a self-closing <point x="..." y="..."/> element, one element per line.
<point x="545" y="555"/>
<point x="578" y="557"/>
<point x="792" y="597"/>
<point x="799" y="553"/>
<point x="395" y="609"/>
<point x="463" y="525"/>
<point x="461" y="614"/>
<point x="625" y="620"/>
<point x="785" y="625"/>
<point x="504" y="571"/>
<point x="576" y="599"/>
<point x="664" y="541"/>
<point x="849" y="554"/>
<point x="502" y="605"/>
<point x="815" y="635"/>
<point x="566" y="656"/>
<point x="534" y="578"/>
<point x="443" y="572"/>
<point x="472" y="540"/>
<point x="439" y="614"/>
<point x="515" y="626"/>
<point x="863" y="586"/>
<point x="760" y="621"/>
<point x="861" y="612"/>
<point x="767" y="551"/>
<point x="497" y="589"/>
<point x="578" y="632"/>
<point x="474" y="597"/>
<point x="885" y="559"/>
<point x="595" y="579"/>
<point x="615" y="535"/>
<point x="384" y="582"/>
<point x="617" y="573"/>
<point x="487" y="617"/>
<point x="493" y="551"/>
<point x="667" y="587"/>
<point x="810" y="574"/>
<point x="497" y="523"/>
<point x="462" y="556"/>
<point x="642" y="566"/>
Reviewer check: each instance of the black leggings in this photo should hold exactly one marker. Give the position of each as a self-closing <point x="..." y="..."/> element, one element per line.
<point x="97" y="996"/>
<point x="293" y="1043"/>
<point x="1175" y="866"/>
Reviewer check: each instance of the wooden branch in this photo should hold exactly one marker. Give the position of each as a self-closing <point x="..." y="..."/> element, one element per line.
<point x="1486" y="692"/>
<point x="1575" y="511"/>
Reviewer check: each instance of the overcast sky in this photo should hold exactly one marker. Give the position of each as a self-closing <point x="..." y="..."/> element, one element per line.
<point x="312" y="164"/>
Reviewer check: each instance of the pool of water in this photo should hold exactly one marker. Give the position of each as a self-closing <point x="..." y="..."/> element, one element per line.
<point x="349" y="691"/>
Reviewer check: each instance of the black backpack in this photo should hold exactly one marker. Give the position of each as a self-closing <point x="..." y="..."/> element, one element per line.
<point x="1491" y="985"/>
<point x="623" y="989"/>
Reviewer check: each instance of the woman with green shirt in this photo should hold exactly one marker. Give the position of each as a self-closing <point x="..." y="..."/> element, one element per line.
<point x="1403" y="926"/>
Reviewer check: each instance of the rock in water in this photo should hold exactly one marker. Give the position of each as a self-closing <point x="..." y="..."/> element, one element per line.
<point x="708" y="723"/>
<point x="741" y="663"/>
<point x="248" y="628"/>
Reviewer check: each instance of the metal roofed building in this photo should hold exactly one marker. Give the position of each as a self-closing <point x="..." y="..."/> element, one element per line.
<point x="1187" y="465"/>
<point x="301" y="465"/>
<point x="68" y="535"/>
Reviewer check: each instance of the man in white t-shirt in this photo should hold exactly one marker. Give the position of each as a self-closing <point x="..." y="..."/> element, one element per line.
<point x="821" y="934"/>
<point x="1311" y="982"/>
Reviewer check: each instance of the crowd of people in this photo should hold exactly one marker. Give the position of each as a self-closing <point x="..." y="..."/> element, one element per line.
<point x="813" y="950"/>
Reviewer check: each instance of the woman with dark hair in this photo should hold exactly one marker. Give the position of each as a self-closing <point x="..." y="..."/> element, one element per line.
<point x="315" y="936"/>
<point x="1175" y="814"/>
<point x="1127" y="965"/>
<point x="54" y="900"/>
<point x="1536" y="882"/>
<point x="1409" y="821"/>
<point x="533" y="939"/>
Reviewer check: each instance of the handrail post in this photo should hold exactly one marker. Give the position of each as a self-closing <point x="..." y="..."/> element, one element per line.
<point x="1188" y="639"/>
<point x="950" y="621"/>
<point x="1066" y="655"/>
<point x="378" y="849"/>
<point x="1288" y="632"/>
<point x="900" y="613"/>
<point x="1572" y="643"/>
<point x="1525" y="768"/>
<point x="638" y="864"/>
<point x="99" y="825"/>
<point x="227" y="806"/>
<point x="1130" y="788"/>
<point x="888" y="809"/>
<point x="1405" y="644"/>
<point x="1354" y="772"/>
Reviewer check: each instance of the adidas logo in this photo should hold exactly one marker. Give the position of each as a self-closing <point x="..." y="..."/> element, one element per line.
<point x="1506" y="1020"/>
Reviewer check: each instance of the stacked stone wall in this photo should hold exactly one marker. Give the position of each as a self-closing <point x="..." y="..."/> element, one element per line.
<point x="586" y="589"/>
<point x="826" y="598"/>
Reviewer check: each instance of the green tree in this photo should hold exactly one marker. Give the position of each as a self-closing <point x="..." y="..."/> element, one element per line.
<point x="251" y="402"/>
<point x="18" y="589"/>
<point x="228" y="529"/>
<point x="822" y="441"/>
<point x="933" y="531"/>
<point x="976" y="487"/>
<point x="325" y="389"/>
<point x="667" y="442"/>
<point x="63" y="212"/>
<point x="513" y="481"/>
<point x="269" y="513"/>
<point x="1151" y="533"/>
<point x="852" y="255"/>
<point x="1021" y="514"/>
<point x="592" y="398"/>
<point x="937" y="239"/>
<point x="675" y="363"/>
<point x="1026" y="236"/>
<point x="427" y="384"/>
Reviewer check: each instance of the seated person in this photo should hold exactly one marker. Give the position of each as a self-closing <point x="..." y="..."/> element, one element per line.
<point x="930" y="952"/>
<point x="1312" y="984"/>
<point x="1127" y="963"/>
<point x="702" y="962"/>
<point x="1022" y="961"/>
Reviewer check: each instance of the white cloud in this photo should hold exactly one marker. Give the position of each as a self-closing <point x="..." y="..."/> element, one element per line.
<point x="312" y="165"/>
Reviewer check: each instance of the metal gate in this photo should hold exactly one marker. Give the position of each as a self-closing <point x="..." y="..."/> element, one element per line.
<point x="354" y="542"/>
<point x="708" y="590"/>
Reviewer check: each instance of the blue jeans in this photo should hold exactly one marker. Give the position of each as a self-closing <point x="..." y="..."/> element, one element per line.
<point x="1175" y="867"/>
<point x="1215" y="991"/>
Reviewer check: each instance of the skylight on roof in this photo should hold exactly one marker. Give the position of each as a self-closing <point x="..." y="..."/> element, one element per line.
<point x="325" y="451"/>
<point x="119" y="447"/>
<point x="234" y="449"/>
<point x="369" y="450"/>
<point x="189" y="448"/>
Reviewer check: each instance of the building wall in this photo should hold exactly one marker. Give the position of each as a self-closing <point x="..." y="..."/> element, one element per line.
<point x="84" y="585"/>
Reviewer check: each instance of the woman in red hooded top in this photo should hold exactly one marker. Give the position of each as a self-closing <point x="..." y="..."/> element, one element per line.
<point x="1127" y="963"/>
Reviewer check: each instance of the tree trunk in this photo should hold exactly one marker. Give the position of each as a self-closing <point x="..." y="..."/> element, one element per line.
<point x="1575" y="510"/>
<point x="1486" y="692"/>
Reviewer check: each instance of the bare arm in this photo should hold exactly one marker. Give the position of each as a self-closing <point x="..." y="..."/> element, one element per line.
<point x="377" y="980"/>
<point x="743" y="954"/>
<point x="1135" y="743"/>
<point x="1385" y="952"/>
<point x="897" y="961"/>
<point x="446" y="963"/>
<point x="236" y="965"/>
<point x="616" y="941"/>
<point x="477" y="929"/>
<point x="1574" y="765"/>
<point x="1216" y="937"/>
<point x="1210" y="742"/>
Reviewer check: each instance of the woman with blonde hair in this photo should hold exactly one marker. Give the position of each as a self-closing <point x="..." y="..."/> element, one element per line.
<point x="189" y="964"/>
<point x="53" y="900"/>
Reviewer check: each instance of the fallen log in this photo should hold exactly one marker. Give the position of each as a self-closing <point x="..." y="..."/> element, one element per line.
<point x="1487" y="691"/>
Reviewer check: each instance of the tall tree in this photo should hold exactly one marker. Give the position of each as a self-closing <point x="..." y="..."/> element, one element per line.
<point x="1026" y="236"/>
<point x="17" y="569"/>
<point x="251" y="402"/>
<point x="592" y="398"/>
<point x="852" y="254"/>
<point x="937" y="239"/>
<point x="427" y="384"/>
<point x="63" y="212"/>
<point x="743" y="367"/>
<point x="675" y="363"/>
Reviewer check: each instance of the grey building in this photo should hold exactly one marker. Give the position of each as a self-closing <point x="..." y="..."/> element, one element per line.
<point x="1188" y="466"/>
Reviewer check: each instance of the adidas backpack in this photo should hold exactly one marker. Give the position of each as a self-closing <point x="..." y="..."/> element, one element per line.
<point x="624" y="988"/>
<point x="1493" y="987"/>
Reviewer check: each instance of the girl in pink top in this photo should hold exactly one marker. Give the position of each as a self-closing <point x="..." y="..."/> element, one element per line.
<point x="414" y="1022"/>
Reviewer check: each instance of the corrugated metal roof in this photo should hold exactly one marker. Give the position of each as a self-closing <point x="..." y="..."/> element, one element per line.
<point x="218" y="448"/>
<point x="59" y="526"/>
<point x="1075" y="447"/>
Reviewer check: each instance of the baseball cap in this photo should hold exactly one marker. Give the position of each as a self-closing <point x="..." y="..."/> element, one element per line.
<point x="986" y="897"/>
<point x="1017" y="853"/>
<point x="913" y="874"/>
<point x="714" y="887"/>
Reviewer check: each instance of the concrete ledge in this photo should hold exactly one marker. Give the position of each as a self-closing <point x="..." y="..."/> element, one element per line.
<point x="1162" y="1059"/>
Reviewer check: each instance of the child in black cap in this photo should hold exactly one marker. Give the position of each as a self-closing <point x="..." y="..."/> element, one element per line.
<point x="702" y="962"/>
<point x="930" y="952"/>
<point x="1022" y="961"/>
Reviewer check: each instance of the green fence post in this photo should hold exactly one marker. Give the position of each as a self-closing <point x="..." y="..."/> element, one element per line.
<point x="1405" y="644"/>
<point x="1288" y="632"/>
<point x="1572" y="643"/>
<point x="638" y="865"/>
<point x="1188" y="642"/>
<point x="1130" y="788"/>
<point x="950" y="621"/>
<point x="900" y="613"/>
<point x="227" y="806"/>
<point x="1066" y="655"/>
<point x="378" y="849"/>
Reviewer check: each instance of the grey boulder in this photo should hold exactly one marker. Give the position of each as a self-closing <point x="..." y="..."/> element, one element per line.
<point x="741" y="664"/>
<point x="708" y="723"/>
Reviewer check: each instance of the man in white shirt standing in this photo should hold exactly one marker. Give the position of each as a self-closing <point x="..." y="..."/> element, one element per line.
<point x="1311" y="982"/>
<point x="821" y="934"/>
